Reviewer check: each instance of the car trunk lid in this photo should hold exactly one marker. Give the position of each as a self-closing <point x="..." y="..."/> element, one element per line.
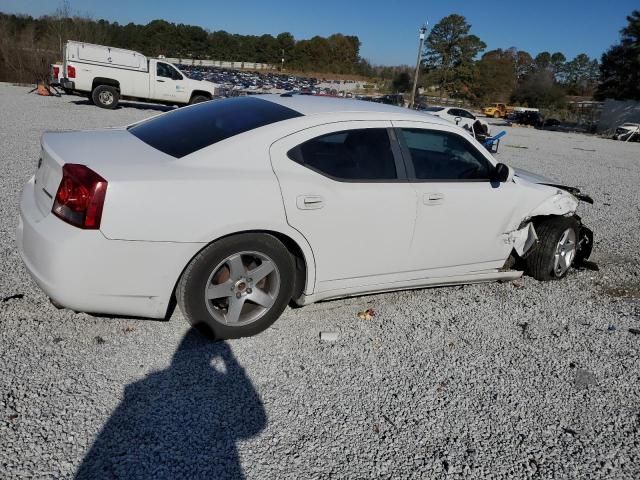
<point x="105" y="151"/>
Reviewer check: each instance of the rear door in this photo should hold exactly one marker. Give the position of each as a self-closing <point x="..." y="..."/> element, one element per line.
<point x="344" y="188"/>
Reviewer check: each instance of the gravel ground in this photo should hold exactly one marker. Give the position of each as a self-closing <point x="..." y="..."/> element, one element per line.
<point x="513" y="380"/>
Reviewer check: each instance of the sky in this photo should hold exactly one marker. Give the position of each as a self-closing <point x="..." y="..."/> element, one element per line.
<point x="388" y="31"/>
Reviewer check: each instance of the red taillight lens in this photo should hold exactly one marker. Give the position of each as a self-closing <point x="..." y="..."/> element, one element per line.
<point x="71" y="71"/>
<point x="80" y="197"/>
<point x="56" y="72"/>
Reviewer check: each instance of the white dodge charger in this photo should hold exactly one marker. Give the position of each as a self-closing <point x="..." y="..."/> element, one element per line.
<point x="235" y="208"/>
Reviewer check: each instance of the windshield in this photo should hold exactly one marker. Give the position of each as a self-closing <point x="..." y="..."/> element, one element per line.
<point x="434" y="109"/>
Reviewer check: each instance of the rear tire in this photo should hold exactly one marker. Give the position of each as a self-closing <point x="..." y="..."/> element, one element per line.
<point x="105" y="96"/>
<point x="218" y="290"/>
<point x="556" y="252"/>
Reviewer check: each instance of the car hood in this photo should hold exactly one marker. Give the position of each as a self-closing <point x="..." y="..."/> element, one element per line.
<point x="533" y="177"/>
<point x="542" y="180"/>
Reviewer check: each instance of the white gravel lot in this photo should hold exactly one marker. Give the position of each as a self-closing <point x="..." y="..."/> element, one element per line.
<point x="515" y="380"/>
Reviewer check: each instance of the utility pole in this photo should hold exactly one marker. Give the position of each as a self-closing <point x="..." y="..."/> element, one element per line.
<point x="422" y="31"/>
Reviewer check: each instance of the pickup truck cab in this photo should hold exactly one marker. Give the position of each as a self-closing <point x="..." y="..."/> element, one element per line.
<point x="109" y="74"/>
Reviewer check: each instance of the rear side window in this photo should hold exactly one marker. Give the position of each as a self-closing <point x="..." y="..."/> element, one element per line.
<point x="187" y="130"/>
<point x="362" y="154"/>
<point x="438" y="155"/>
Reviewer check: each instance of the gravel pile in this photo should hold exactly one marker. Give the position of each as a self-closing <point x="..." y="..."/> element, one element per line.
<point x="513" y="380"/>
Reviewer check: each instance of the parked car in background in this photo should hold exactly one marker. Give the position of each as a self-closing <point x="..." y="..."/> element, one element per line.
<point x="109" y="74"/>
<point x="497" y="110"/>
<point x="628" y="132"/>
<point x="458" y="116"/>
<point x="240" y="206"/>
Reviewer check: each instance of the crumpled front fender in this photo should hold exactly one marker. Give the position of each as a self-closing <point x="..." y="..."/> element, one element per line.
<point x="562" y="203"/>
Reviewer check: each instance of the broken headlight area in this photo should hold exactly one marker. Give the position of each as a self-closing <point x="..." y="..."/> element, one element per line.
<point x="575" y="191"/>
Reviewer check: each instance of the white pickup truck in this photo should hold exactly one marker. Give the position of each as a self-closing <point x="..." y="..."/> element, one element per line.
<point x="108" y="74"/>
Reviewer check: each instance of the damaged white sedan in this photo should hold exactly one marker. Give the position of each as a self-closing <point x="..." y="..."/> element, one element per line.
<point x="235" y="208"/>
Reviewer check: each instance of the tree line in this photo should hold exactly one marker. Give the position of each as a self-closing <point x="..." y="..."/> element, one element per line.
<point x="454" y="62"/>
<point x="454" y="65"/>
<point x="28" y="45"/>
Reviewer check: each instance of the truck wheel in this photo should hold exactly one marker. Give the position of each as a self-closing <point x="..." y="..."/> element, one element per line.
<point x="105" y="96"/>
<point x="198" y="99"/>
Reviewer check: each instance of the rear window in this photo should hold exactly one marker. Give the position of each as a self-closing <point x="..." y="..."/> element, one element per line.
<point x="186" y="130"/>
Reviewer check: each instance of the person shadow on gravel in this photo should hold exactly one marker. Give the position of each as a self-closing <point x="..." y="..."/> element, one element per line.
<point x="181" y="422"/>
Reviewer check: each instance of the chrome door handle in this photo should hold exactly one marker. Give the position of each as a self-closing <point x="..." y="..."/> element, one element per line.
<point x="309" y="202"/>
<point x="432" y="198"/>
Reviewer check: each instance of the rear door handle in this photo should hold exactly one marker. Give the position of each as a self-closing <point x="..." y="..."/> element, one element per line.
<point x="432" y="198"/>
<point x="160" y="81"/>
<point x="309" y="202"/>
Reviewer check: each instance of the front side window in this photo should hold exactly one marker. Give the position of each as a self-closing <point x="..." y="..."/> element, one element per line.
<point x="438" y="155"/>
<point x="362" y="154"/>
<point x="164" y="70"/>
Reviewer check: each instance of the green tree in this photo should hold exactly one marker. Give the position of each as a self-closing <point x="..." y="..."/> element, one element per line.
<point x="557" y="65"/>
<point x="401" y="82"/>
<point x="581" y="75"/>
<point x="540" y="91"/>
<point x="450" y="53"/>
<point x="542" y="61"/>
<point x="495" y="77"/>
<point x="620" y="68"/>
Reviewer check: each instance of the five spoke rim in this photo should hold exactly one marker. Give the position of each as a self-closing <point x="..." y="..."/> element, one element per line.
<point x="242" y="288"/>
<point x="565" y="252"/>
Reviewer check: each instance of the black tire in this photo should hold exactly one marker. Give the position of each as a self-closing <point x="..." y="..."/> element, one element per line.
<point x="193" y="282"/>
<point x="198" y="99"/>
<point x="540" y="262"/>
<point x="101" y="95"/>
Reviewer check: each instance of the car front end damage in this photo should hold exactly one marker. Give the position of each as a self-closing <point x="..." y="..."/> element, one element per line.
<point x="564" y="202"/>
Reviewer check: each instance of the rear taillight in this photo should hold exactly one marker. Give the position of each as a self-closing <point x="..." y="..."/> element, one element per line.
<point x="71" y="71"/>
<point x="56" y="72"/>
<point x="80" y="197"/>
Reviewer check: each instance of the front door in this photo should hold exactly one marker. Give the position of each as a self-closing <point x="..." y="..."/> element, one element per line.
<point x="169" y="84"/>
<point x="462" y="216"/>
<point x="344" y="188"/>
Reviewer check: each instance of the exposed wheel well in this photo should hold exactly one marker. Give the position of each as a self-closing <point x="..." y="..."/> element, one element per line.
<point x="300" y="264"/>
<point x="105" y="81"/>
<point x="201" y="93"/>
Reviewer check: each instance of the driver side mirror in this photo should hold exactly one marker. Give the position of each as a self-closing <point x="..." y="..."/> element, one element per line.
<point x="175" y="76"/>
<point x="458" y="120"/>
<point x="503" y="173"/>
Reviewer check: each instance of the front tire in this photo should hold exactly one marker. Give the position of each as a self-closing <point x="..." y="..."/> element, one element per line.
<point x="198" y="99"/>
<point x="238" y="286"/>
<point x="554" y="256"/>
<point x="105" y="96"/>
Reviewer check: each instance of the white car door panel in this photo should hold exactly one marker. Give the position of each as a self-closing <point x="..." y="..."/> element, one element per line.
<point x="460" y="223"/>
<point x="359" y="230"/>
